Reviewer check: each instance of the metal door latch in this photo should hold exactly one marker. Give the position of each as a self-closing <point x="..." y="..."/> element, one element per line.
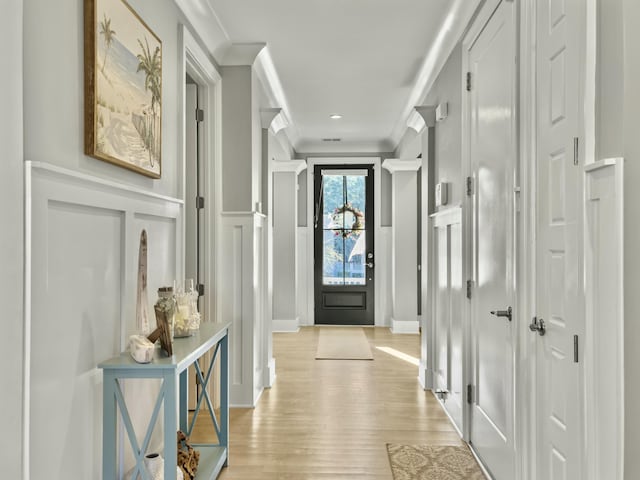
<point x="537" y="325"/>
<point x="503" y="313"/>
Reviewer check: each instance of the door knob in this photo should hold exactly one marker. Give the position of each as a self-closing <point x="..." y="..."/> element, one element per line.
<point x="537" y="325"/>
<point x="502" y="313"/>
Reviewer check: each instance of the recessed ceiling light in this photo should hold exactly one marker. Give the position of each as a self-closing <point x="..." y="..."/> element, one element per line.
<point x="335" y="116"/>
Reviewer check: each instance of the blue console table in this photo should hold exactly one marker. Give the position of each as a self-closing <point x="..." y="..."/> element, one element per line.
<point x="173" y="372"/>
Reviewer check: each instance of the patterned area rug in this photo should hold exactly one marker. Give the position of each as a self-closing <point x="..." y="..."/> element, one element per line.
<point x="430" y="462"/>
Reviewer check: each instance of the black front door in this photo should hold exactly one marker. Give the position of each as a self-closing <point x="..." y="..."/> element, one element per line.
<point x="343" y="245"/>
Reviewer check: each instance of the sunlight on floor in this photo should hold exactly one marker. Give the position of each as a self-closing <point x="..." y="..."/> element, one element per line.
<point x="400" y="355"/>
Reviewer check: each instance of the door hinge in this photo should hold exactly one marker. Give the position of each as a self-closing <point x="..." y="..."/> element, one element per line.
<point x="469" y="287"/>
<point x="468" y="81"/>
<point x="575" y="349"/>
<point x="199" y="115"/>
<point x="199" y="203"/>
<point x="469" y="394"/>
<point x="469" y="186"/>
<point x="576" y="150"/>
<point x="200" y="289"/>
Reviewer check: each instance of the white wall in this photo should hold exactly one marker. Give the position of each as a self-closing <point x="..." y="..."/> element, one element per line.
<point x="11" y="250"/>
<point x="66" y="401"/>
<point x="448" y="134"/>
<point x="631" y="21"/>
<point x="53" y="86"/>
<point x="284" y="245"/>
<point x="237" y="147"/>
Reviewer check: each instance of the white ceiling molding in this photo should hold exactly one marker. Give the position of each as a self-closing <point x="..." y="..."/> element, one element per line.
<point x="415" y="121"/>
<point x="274" y="119"/>
<point x="428" y="114"/>
<point x="238" y="54"/>
<point x="295" y="166"/>
<point x="451" y="32"/>
<point x="206" y="25"/>
<point x="398" y="165"/>
<point x="268" y="76"/>
<point x="267" y="115"/>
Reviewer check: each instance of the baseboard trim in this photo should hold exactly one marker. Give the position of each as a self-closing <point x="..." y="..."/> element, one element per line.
<point x="405" y="326"/>
<point x="424" y="377"/>
<point x="286" y="326"/>
<point x="270" y="373"/>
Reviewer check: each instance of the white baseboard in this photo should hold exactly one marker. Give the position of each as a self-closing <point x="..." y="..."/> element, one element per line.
<point x="270" y="373"/>
<point x="424" y="377"/>
<point x="286" y="326"/>
<point x="405" y="326"/>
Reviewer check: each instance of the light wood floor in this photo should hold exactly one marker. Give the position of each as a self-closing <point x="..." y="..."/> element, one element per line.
<point x="332" y="419"/>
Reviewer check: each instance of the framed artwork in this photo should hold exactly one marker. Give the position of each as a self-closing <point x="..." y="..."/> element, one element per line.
<point x="123" y="87"/>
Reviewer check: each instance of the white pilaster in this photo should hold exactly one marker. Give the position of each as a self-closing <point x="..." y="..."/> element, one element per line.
<point x="425" y="370"/>
<point x="404" y="244"/>
<point x="285" y="247"/>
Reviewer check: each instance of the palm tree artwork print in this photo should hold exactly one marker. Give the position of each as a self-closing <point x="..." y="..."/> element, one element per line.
<point x="128" y="89"/>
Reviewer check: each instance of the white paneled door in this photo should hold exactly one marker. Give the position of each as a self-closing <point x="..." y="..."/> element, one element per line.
<point x="493" y="159"/>
<point x="559" y="187"/>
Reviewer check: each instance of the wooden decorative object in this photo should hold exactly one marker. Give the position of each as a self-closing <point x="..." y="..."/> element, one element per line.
<point x="188" y="457"/>
<point x="163" y="330"/>
<point x="142" y="314"/>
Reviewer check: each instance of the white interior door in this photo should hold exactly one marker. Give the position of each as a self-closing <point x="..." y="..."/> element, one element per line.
<point x="559" y="187"/>
<point x="492" y="152"/>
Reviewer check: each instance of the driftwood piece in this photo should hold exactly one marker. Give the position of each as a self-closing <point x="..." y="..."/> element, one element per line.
<point x="142" y="300"/>
<point x="163" y="330"/>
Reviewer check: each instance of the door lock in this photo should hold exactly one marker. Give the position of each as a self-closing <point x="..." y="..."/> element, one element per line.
<point x="537" y="325"/>
<point x="502" y="313"/>
<point x="370" y="264"/>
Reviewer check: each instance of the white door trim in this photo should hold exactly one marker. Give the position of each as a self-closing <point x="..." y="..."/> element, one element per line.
<point x="196" y="62"/>
<point x="379" y="254"/>
<point x="525" y="420"/>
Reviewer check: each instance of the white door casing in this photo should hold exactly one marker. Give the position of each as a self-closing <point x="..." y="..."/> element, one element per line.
<point x="492" y="151"/>
<point x="559" y="294"/>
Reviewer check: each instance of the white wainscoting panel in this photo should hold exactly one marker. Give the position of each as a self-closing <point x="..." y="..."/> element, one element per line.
<point x="83" y="234"/>
<point x="445" y="262"/>
<point x="604" y="345"/>
<point x="242" y="296"/>
<point x="383" y="277"/>
<point x="304" y="261"/>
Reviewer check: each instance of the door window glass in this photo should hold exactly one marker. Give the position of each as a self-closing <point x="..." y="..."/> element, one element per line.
<point x="343" y="220"/>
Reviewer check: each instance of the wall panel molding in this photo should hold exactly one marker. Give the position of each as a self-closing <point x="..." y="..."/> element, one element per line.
<point x="243" y="290"/>
<point x="81" y="248"/>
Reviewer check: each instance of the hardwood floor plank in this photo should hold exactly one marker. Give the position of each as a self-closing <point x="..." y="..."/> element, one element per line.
<point x="332" y="419"/>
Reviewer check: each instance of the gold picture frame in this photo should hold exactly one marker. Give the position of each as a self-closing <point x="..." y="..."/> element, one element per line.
<point x="123" y="87"/>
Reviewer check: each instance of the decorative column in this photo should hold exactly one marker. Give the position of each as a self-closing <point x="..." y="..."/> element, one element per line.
<point x="242" y="264"/>
<point x="428" y="115"/>
<point x="404" y="244"/>
<point x="285" y="248"/>
<point x="272" y="120"/>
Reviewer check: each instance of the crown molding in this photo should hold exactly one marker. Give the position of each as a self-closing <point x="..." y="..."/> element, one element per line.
<point x="451" y="32"/>
<point x="394" y="165"/>
<point x="239" y="54"/>
<point x="295" y="166"/>
<point x="205" y="25"/>
<point x="274" y="119"/>
<point x="415" y="122"/>
<point x="266" y="72"/>
<point x="428" y="114"/>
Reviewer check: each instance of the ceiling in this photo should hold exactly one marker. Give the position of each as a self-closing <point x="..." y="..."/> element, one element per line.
<point x="367" y="60"/>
